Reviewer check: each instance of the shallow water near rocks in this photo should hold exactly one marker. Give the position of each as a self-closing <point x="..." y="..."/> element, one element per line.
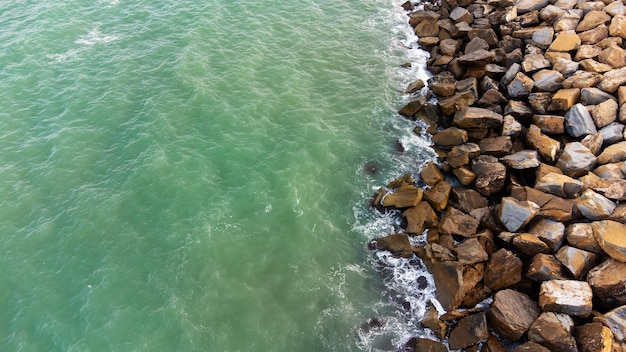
<point x="195" y="175"/>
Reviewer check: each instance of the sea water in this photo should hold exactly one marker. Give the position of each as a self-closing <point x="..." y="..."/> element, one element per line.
<point x="195" y="175"/>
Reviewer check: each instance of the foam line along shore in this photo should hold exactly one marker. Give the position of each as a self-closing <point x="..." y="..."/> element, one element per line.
<point x="521" y="220"/>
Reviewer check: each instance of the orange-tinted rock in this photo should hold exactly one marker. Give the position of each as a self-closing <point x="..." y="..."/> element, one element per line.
<point x="546" y="267"/>
<point x="611" y="237"/>
<point x="512" y="313"/>
<point x="607" y="281"/>
<point x="420" y="218"/>
<point x="566" y="296"/>
<point x="438" y="195"/>
<point x="594" y="337"/>
<point x="503" y="270"/>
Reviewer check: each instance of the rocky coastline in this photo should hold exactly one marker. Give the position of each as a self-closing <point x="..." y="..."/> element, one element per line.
<point x="524" y="211"/>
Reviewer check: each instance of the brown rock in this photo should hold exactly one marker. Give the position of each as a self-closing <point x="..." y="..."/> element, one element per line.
<point x="566" y="296"/>
<point x="431" y="174"/>
<point x="582" y="79"/>
<point x="461" y="154"/>
<point x="553" y="124"/>
<point x="607" y="281"/>
<point x="420" y="218"/>
<point x="591" y="65"/>
<point x="529" y="244"/>
<point x="619" y="214"/>
<point x="612" y="189"/>
<point x="456" y="102"/>
<point x="469" y="199"/>
<point x="431" y="321"/>
<point x="471" y="251"/>
<point x="553" y="330"/>
<point x="565" y="41"/>
<point x="464" y="175"/>
<point x="593" y="19"/>
<point x="549" y="231"/>
<point x="580" y="235"/>
<point x="576" y="159"/>
<point x="587" y="51"/>
<point x="491" y="97"/>
<point x="520" y="86"/>
<point x="567" y="22"/>
<point x="450" y="137"/>
<point x="611" y="237"/>
<point x="540" y="102"/>
<point x="443" y="84"/>
<point x="530" y="346"/>
<point x="448" y="277"/>
<point x="475" y="45"/>
<point x="451" y="46"/>
<point x="545" y="145"/>
<point x="604" y="113"/>
<point x="546" y="267"/>
<point x="497" y="146"/>
<point x="613" y="153"/>
<point x="438" y="195"/>
<point x="614" y="56"/>
<point x="595" y="35"/>
<point x="559" y="185"/>
<point x="427" y="345"/>
<point x="427" y="28"/>
<point x="469" y="331"/>
<point x="398" y="244"/>
<point x="473" y="117"/>
<point x="577" y="261"/>
<point x="514" y="214"/>
<point x="512" y="314"/>
<point x="616" y="321"/>
<point x="594" y="206"/>
<point x="612" y="80"/>
<point x="503" y="270"/>
<point x="434" y="253"/>
<point x="490" y="174"/>
<point x="404" y="197"/>
<point x="415" y="86"/>
<point x="479" y="57"/>
<point x="610" y="171"/>
<point x="594" y="337"/>
<point x="534" y="62"/>
<point x="455" y="222"/>
<point x="564" y="99"/>
<point x="618" y="26"/>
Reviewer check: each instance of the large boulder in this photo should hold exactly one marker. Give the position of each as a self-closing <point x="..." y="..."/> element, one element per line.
<point x="559" y="185"/>
<point x="594" y="206"/>
<point x="455" y="222"/>
<point x="469" y="331"/>
<point x="580" y="235"/>
<point x="503" y="270"/>
<point x="474" y="117"/>
<point x="450" y="137"/>
<point x="525" y="159"/>
<point x="613" y="153"/>
<point x="516" y="214"/>
<point x="403" y="197"/>
<point x="398" y="244"/>
<point x="594" y="337"/>
<point x="490" y="174"/>
<point x="546" y="267"/>
<point x="616" y="321"/>
<point x="553" y="330"/>
<point x="611" y="236"/>
<point x="438" y="195"/>
<point x="448" y="277"/>
<point x="578" y="122"/>
<point x="512" y="313"/>
<point x="419" y="218"/>
<point x="576" y="159"/>
<point x="607" y="281"/>
<point x="550" y="231"/>
<point x="577" y="261"/>
<point x="566" y="296"/>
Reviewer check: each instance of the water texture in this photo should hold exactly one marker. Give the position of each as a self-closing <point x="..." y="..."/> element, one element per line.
<point x="191" y="175"/>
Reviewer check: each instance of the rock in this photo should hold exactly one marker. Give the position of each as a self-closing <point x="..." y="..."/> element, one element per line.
<point x="479" y="57"/>
<point x="438" y="195"/>
<point x="582" y="79"/>
<point x="612" y="80"/>
<point x="540" y="102"/>
<point x="553" y="124"/>
<point x="565" y="41"/>
<point x="456" y="102"/>
<point x="545" y="145"/>
<point x="591" y="65"/>
<point x="471" y="251"/>
<point x="615" y="8"/>
<point x="519" y="109"/>
<point x="549" y="231"/>
<point x="433" y="253"/>
<point x="529" y="244"/>
<point x="564" y="99"/>
<point x="524" y="6"/>
<point x="594" y="337"/>
<point x="534" y="62"/>
<point x="509" y="75"/>
<point x="469" y="331"/>
<point x="616" y="321"/>
<point x="475" y="45"/>
<point x="546" y="267"/>
<point x="553" y="330"/>
<point x="420" y="218"/>
<point x="604" y="113"/>
<point x="451" y="46"/>
<point x="415" y="86"/>
<point x="398" y="244"/>
<point x="473" y="117"/>
<point x="593" y="142"/>
<point x="567" y="297"/>
<point x="490" y="174"/>
<point x="530" y="346"/>
<point x="464" y="175"/>
<point x="559" y="185"/>
<point x="427" y="28"/>
<point x="412" y="107"/>
<point x="510" y="126"/>
<point x="448" y="277"/>
<point x="613" y="154"/>
<point x="427" y="345"/>
<point x="580" y="235"/>
<point x="503" y="270"/>
<point x="525" y="159"/>
<point x="610" y="171"/>
<point x="497" y="146"/>
<point x="512" y="313"/>
<point x="491" y="97"/>
<point x="576" y="159"/>
<point x="592" y="19"/>
<point x="565" y="66"/>
<point x="619" y="214"/>
<point x="567" y="22"/>
<point x="552" y="207"/>
<point x="587" y="51"/>
<point x="607" y="282"/>
<point x="431" y="321"/>
<point x="594" y="36"/>
<point x="594" y="96"/>
<point x="578" y="122"/>
<point x="548" y="80"/>
<point x="594" y="206"/>
<point x="469" y="199"/>
<point x="455" y="222"/>
<point x="462" y="154"/>
<point x="614" y="56"/>
<point x="612" y="189"/>
<point x="514" y="214"/>
<point x="520" y="86"/>
<point x="487" y="34"/>
<point x="443" y="84"/>
<point x="543" y="37"/>
<point x="431" y="174"/>
<point x="621" y="93"/>
<point x="404" y="197"/>
<point x="577" y="261"/>
<point x="459" y="14"/>
<point x="450" y="137"/>
<point x="611" y="237"/>
<point x="612" y="133"/>
<point x="618" y="26"/>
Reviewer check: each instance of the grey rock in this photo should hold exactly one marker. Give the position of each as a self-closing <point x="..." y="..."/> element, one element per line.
<point x="578" y="122"/>
<point x="594" y="96"/>
<point x="516" y="214"/>
<point x="595" y="206"/>
<point x="612" y="133"/>
<point x="576" y="160"/>
<point x="549" y="231"/>
<point x="548" y="80"/>
<point x="525" y="159"/>
<point x="559" y="185"/>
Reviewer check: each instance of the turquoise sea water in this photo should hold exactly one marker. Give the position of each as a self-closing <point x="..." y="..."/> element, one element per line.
<point x="190" y="175"/>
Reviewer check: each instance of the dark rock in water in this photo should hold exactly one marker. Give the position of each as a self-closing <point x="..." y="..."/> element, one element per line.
<point x="422" y="282"/>
<point x="398" y="146"/>
<point x="371" y="167"/>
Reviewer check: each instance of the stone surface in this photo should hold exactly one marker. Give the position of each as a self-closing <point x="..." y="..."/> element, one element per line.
<point x="398" y="244"/>
<point x="431" y="174"/>
<point x="546" y="146"/>
<point x="512" y="313"/>
<point x="420" y="218"/>
<point x="612" y="189"/>
<point x="450" y="137"/>
<point x="458" y="101"/>
<point x="576" y="160"/>
<point x="553" y="330"/>
<point x="611" y="237"/>
<point x="608" y="283"/>
<point x="455" y="222"/>
<point x="580" y="235"/>
<point x="593" y="142"/>
<point x="548" y="80"/>
<point x="448" y="277"/>
<point x="529" y="244"/>
<point x="613" y="153"/>
<point x="520" y="86"/>
<point x="566" y="296"/>
<point x="471" y="251"/>
<point x="616" y="321"/>
<point x="594" y="96"/>
<point x="577" y="261"/>
<point x="587" y="52"/>
<point x="511" y="127"/>
<point x="473" y="117"/>
<point x="582" y="79"/>
<point x="594" y="36"/>
<point x="544" y="267"/>
<point x="497" y="146"/>
<point x="549" y="231"/>
<point x="403" y="197"/>
<point x="565" y="41"/>
<point x="612" y="133"/>
<point x="594" y="206"/>
<point x="604" y="113"/>
<point x="515" y="214"/>
<point x="612" y="80"/>
<point x="618" y="26"/>
<point x="478" y="57"/>
<point x="464" y="175"/>
<point x="525" y="159"/>
<point x="438" y="195"/>
<point x="469" y="199"/>
<point x="614" y="56"/>
<point x="461" y="155"/>
<point x="490" y="174"/>
<point x="427" y="345"/>
<point x="591" y="65"/>
<point x="553" y="124"/>
<point x="534" y="62"/>
<point x="594" y="337"/>
<point x="530" y="346"/>
<point x="415" y="86"/>
<point x="578" y="122"/>
<point x="565" y="66"/>
<point x="592" y="19"/>
<point x="559" y="185"/>
<point x="503" y="270"/>
<point x="564" y="99"/>
<point x="469" y="331"/>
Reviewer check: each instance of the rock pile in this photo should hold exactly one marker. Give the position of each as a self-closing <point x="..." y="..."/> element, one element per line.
<point x="526" y="204"/>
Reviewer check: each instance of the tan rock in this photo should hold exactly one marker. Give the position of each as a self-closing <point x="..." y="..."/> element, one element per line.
<point x="607" y="281"/>
<point x="464" y="175"/>
<point x="450" y="46"/>
<point x="595" y="35"/>
<point x="458" y="101"/>
<point x="621" y="93"/>
<point x="497" y="146"/>
<point x="503" y="270"/>
<point x="593" y="19"/>
<point x="618" y="26"/>
<point x="613" y="154"/>
<point x="404" y="197"/>
<point x="613" y="79"/>
<point x="420" y="218"/>
<point x="534" y="62"/>
<point x="512" y="313"/>
<point x="471" y="251"/>
<point x="567" y="297"/>
<point x="461" y="155"/>
<point x="469" y="331"/>
<point x="577" y="261"/>
<point x="427" y="28"/>
<point x="564" y="99"/>
<point x="522" y="160"/>
<point x="546" y="267"/>
<point x="614" y="56"/>
<point x="398" y="244"/>
<point x="594" y="206"/>
<point x="593" y="142"/>
<point x="587" y="51"/>
<point x="529" y="244"/>
<point x="565" y="41"/>
<point x="428" y="345"/>
<point x="553" y="330"/>
<point x="553" y="124"/>
<point x="455" y="222"/>
<point x="567" y="22"/>
<point x="611" y="237"/>
<point x="431" y="321"/>
<point x="612" y="189"/>
<point x="591" y="65"/>
<point x="559" y="185"/>
<point x="580" y="235"/>
<point x="448" y="277"/>
<point x="479" y="57"/>
<point x="604" y="113"/>
<point x="549" y="231"/>
<point x="582" y="79"/>
<point x="450" y="137"/>
<point x="594" y="337"/>
<point x="616" y="321"/>
<point x="546" y="146"/>
<point x="548" y="80"/>
<point x="510" y="126"/>
<point x="473" y="117"/>
<point x="438" y="195"/>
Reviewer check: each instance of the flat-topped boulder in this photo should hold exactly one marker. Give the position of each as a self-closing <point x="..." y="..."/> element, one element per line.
<point x="554" y="331"/>
<point x="594" y="206"/>
<point x="512" y="313"/>
<point x="455" y="222"/>
<point x="559" y="185"/>
<point x="607" y="282"/>
<point x="544" y="267"/>
<point x="611" y="237"/>
<point x="567" y="297"/>
<point x="398" y="244"/>
<point x="503" y="270"/>
<point x="469" y="331"/>
<point x="576" y="160"/>
<point x="474" y="117"/>
<point x="515" y="214"/>
<point x="578" y="121"/>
